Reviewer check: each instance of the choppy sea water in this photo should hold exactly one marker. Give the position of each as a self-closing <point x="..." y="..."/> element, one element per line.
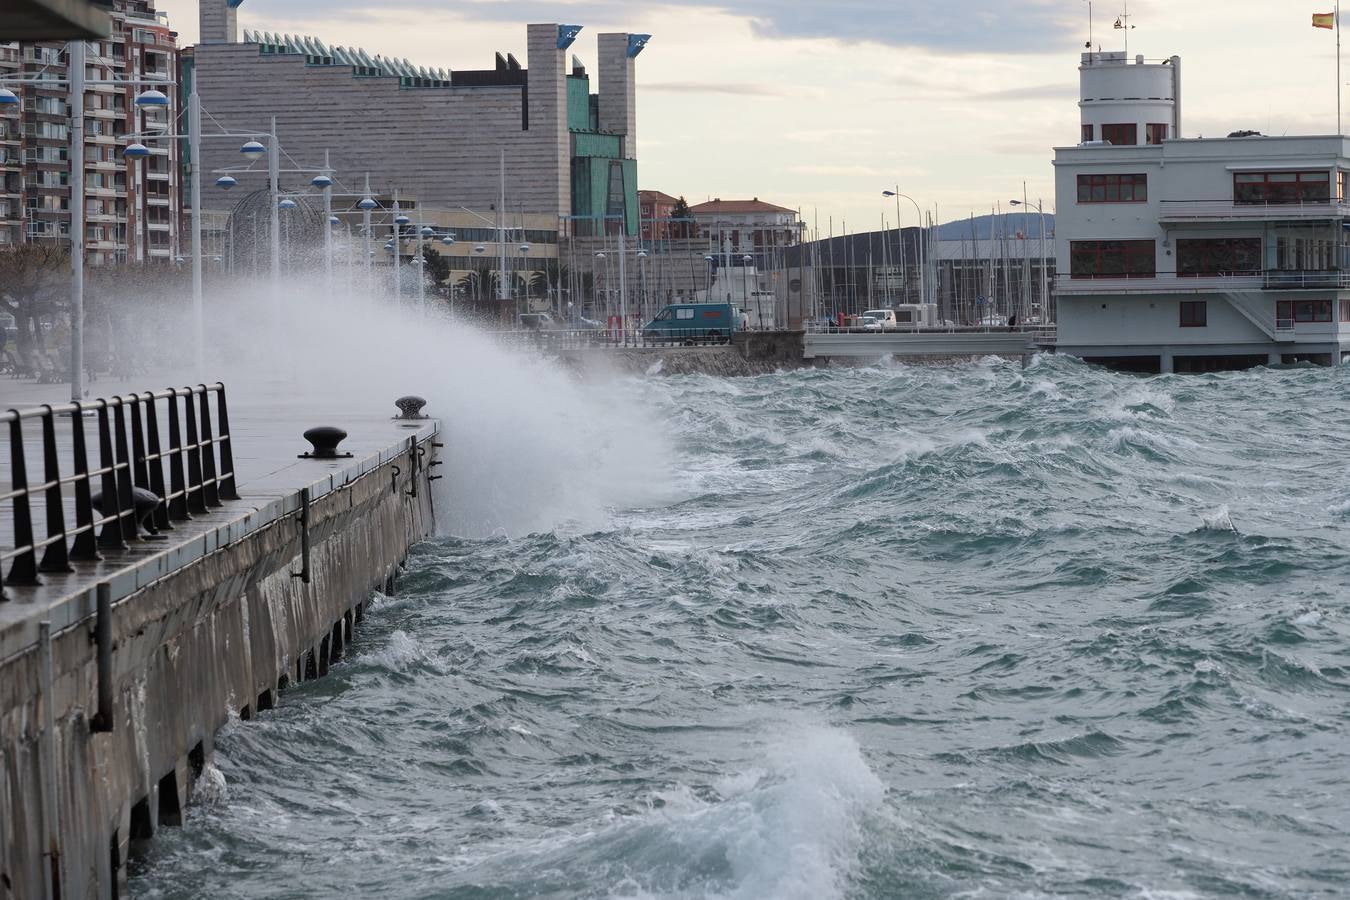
<point x="956" y="631"/>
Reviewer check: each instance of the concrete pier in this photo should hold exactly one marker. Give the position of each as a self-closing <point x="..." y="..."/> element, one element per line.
<point x="217" y="621"/>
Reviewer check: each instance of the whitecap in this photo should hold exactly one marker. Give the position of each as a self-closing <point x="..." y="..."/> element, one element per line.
<point x="1219" y="520"/>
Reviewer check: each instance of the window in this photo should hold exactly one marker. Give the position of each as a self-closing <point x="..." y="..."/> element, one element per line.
<point x="1087" y="133"/>
<point x="1282" y="187"/>
<point x="1343" y="185"/>
<point x="1155" y="133"/>
<point x="1219" y="256"/>
<point x="1112" y="188"/>
<point x="1112" y="259"/>
<point x="1193" y="314"/>
<point x="1345" y="307"/>
<point x="684" y="314"/>
<point x="1121" y="135"/>
<point x="1303" y="310"/>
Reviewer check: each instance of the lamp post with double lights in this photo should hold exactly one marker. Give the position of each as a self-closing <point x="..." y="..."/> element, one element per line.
<point x="77" y="82"/>
<point x="251" y="151"/>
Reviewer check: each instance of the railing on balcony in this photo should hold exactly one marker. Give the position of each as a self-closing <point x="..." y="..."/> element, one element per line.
<point x="1182" y="210"/>
<point x="1310" y="280"/>
<point x="1170" y="283"/>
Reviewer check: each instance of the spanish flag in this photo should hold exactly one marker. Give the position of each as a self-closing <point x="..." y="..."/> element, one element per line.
<point x="1324" y="20"/>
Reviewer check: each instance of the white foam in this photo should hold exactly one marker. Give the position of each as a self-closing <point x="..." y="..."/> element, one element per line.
<point x="210" y="788"/>
<point x="399" y="653"/>
<point x="1219" y="520"/>
<point x="1310" y="617"/>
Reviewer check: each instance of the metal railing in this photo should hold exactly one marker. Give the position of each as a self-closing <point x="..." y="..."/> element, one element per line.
<point x="1175" y="283"/>
<point x="1173" y="210"/>
<point x="612" y="338"/>
<point x="133" y="453"/>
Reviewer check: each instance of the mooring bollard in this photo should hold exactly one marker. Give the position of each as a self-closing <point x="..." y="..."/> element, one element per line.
<point x="325" y="440"/>
<point x="410" y="407"/>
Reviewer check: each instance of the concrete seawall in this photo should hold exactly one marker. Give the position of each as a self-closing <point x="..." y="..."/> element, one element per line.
<point x="219" y="633"/>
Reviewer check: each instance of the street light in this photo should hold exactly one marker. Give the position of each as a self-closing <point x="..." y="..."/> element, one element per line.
<point x="1039" y="206"/>
<point x="76" y="83"/>
<point x="253" y="151"/>
<point x="923" y="268"/>
<point x="225" y="182"/>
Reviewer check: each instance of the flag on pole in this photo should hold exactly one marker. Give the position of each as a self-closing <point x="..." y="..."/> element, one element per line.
<point x="1324" y="20"/>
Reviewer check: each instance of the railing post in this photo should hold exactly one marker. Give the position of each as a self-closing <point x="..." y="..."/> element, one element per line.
<point x="86" y="541"/>
<point x="126" y="504"/>
<point x="111" y="536"/>
<point x="155" y="465"/>
<point x="196" y="499"/>
<point x="56" y="558"/>
<point x="24" y="570"/>
<point x="229" y="486"/>
<point x="209" y="486"/>
<point x="140" y="473"/>
<point x="178" y="505"/>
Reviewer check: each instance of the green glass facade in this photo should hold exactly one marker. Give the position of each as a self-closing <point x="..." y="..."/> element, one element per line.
<point x="604" y="184"/>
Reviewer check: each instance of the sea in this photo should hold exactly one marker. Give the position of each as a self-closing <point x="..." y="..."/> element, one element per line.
<point x="974" y="630"/>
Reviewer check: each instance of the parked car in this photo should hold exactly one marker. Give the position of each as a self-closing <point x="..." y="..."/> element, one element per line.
<point x="884" y="318"/>
<point x="693" y="323"/>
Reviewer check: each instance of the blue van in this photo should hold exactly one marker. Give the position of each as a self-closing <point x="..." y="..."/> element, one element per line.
<point x="694" y="323"/>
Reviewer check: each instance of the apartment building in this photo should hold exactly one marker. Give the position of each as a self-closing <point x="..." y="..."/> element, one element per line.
<point x="1191" y="254"/>
<point x="131" y="209"/>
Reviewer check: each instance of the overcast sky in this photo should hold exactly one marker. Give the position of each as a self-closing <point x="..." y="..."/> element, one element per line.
<point x="822" y="105"/>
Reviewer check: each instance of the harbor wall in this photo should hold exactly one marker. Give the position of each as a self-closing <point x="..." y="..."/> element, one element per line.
<point x="217" y="638"/>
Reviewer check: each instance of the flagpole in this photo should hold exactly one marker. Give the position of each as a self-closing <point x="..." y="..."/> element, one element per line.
<point x="1339" y="132"/>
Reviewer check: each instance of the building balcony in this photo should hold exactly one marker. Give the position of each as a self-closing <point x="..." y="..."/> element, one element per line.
<point x="1307" y="281"/>
<point x="1168" y="283"/>
<point x="1226" y="211"/>
<point x="1164" y="283"/>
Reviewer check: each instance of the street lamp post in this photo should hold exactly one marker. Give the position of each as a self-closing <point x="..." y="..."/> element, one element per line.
<point x="76" y="81"/>
<point x="923" y="278"/>
<point x="1039" y="206"/>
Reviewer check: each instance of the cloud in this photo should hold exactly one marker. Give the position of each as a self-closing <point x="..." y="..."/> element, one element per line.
<point x="1065" y="91"/>
<point x="973" y="26"/>
<point x="712" y="87"/>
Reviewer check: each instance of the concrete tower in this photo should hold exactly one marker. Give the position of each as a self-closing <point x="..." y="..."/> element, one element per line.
<point x="547" y="113"/>
<point x="219" y="21"/>
<point x="1126" y="104"/>
<point x="618" y="89"/>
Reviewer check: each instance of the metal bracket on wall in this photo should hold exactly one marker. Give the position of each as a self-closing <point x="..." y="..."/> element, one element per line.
<point x="103" y="719"/>
<point x="303" y="574"/>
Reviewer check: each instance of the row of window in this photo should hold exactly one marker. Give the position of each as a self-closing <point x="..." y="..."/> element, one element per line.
<point x="1127" y="135"/>
<point x="1195" y="313"/>
<point x="1201" y="257"/>
<point x="1249" y="188"/>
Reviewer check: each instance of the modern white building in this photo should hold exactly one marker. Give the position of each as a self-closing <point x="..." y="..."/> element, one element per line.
<point x="1191" y="254"/>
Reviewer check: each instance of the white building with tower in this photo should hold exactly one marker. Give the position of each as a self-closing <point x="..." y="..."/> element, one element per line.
<point x="1191" y="254"/>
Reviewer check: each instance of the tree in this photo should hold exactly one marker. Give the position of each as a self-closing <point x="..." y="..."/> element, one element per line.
<point x="437" y="267"/>
<point x="682" y="220"/>
<point x="34" y="285"/>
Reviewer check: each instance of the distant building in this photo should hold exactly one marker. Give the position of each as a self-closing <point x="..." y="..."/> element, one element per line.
<point x="132" y="209"/>
<point x="436" y="136"/>
<point x="655" y="210"/>
<point x="752" y="227"/>
<point x="1190" y="254"/>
